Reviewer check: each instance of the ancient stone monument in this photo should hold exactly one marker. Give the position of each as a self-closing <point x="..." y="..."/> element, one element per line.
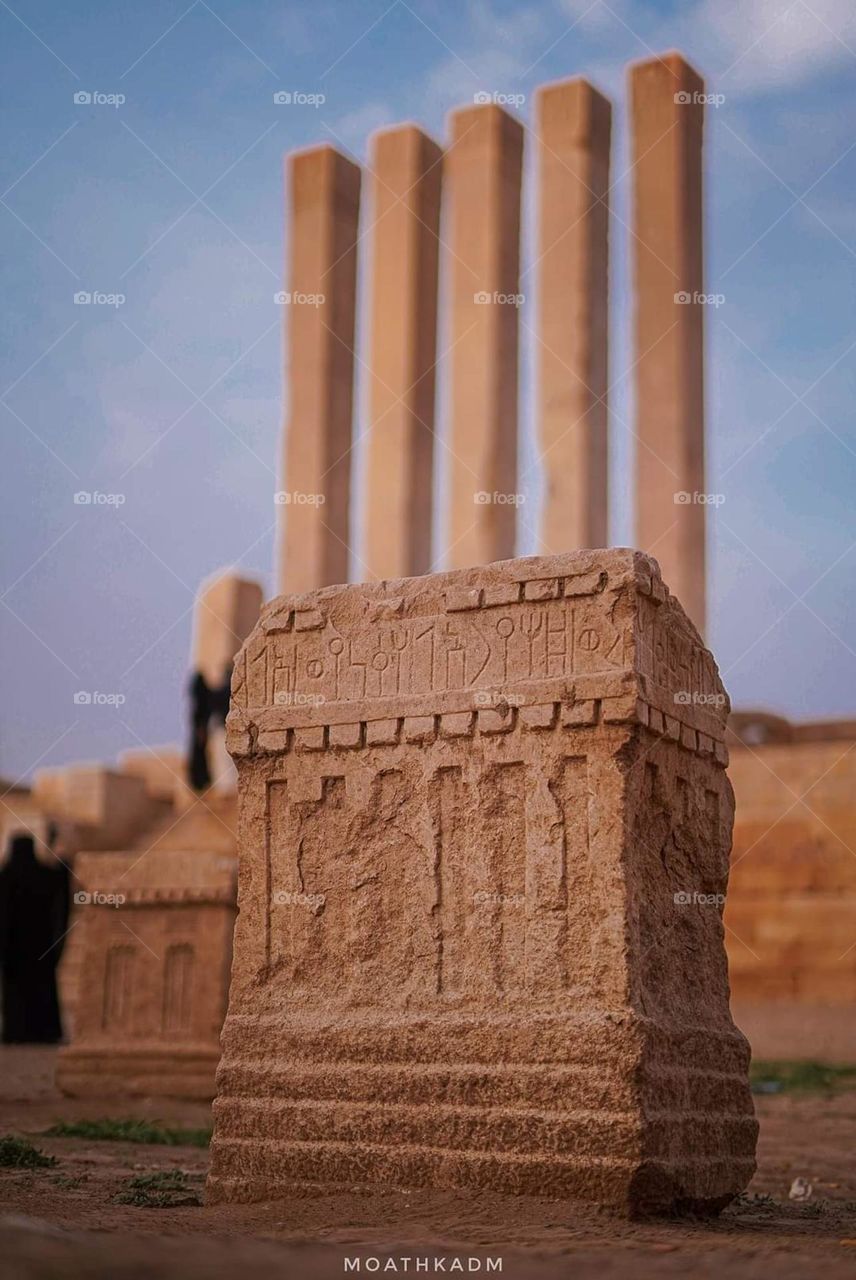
<point x="484" y="838"/>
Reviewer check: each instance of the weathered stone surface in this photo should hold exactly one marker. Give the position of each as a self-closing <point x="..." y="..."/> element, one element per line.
<point x="406" y="167"/>
<point x="573" y="127"/>
<point x="154" y="960"/>
<point x="667" y="113"/>
<point x="481" y="944"/>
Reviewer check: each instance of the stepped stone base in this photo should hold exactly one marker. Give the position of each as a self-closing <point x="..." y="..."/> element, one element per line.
<point x="483" y="851"/>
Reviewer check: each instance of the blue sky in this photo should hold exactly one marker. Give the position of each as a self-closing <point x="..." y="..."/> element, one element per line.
<point x="174" y="399"/>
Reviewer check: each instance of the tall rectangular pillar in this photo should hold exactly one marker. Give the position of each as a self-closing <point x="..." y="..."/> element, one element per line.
<point x="407" y="170"/>
<point x="667" y="122"/>
<point x="573" y="123"/>
<point x="483" y="175"/>
<point x="321" y="308"/>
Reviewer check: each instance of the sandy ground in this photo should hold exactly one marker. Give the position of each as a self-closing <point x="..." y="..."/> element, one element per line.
<point x="63" y="1221"/>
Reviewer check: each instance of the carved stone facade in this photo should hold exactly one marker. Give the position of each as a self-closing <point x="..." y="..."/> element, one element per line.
<point x="483" y="844"/>
<point x="155" y="956"/>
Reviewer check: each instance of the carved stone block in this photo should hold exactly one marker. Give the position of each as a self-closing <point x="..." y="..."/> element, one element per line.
<point x="487" y="950"/>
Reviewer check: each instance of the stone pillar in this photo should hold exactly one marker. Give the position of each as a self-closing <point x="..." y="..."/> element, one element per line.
<point x="667" y="119"/>
<point x="407" y="170"/>
<point x="320" y="313"/>
<point x="461" y="957"/>
<point x="573" y="124"/>
<point x="484" y="168"/>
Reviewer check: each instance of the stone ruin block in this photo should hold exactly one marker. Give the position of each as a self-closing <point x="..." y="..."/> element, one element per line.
<point x="154" y="973"/>
<point x="483" y="849"/>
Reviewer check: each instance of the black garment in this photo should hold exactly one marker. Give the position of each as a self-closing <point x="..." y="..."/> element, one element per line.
<point x="34" y="907"/>
<point x="205" y="702"/>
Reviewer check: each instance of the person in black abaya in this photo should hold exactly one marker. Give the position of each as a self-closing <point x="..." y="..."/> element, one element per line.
<point x="34" y="908"/>
<point x="205" y="703"/>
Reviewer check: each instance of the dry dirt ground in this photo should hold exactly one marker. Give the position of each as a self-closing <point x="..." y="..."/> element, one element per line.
<point x="63" y="1221"/>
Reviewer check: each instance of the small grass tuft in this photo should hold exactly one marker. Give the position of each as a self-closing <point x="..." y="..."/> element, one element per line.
<point x="15" y="1153"/>
<point x="166" y="1190"/>
<point x="130" y="1131"/>
<point x="800" y="1077"/>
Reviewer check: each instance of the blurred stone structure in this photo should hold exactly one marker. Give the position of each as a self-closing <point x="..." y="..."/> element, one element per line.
<point x="483" y="855"/>
<point x="145" y="974"/>
<point x="792" y="897"/>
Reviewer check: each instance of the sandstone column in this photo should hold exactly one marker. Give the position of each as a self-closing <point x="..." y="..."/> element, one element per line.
<point x="484" y="167"/>
<point x="325" y="190"/>
<point x="573" y="124"/>
<point x="667" y="118"/>
<point x="406" y="165"/>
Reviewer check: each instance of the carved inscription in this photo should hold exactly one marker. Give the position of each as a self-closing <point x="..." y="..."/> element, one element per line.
<point x="405" y="656"/>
